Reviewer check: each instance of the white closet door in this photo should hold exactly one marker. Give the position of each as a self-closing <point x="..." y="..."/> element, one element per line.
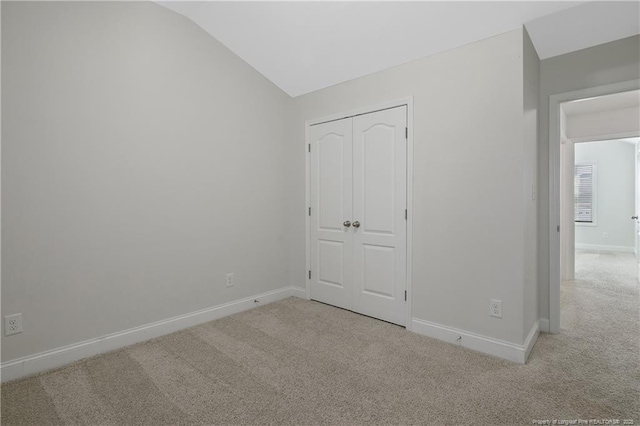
<point x="331" y="204"/>
<point x="379" y="203"/>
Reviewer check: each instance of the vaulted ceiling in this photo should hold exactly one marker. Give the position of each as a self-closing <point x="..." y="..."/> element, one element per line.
<point x="306" y="46"/>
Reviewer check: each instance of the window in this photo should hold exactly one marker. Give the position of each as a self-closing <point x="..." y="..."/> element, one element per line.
<point x="584" y="193"/>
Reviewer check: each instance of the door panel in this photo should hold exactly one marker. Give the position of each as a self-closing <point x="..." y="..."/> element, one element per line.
<point x="331" y="181"/>
<point x="378" y="270"/>
<point x="330" y="263"/>
<point x="378" y="180"/>
<point x="379" y="203"/>
<point x="331" y="196"/>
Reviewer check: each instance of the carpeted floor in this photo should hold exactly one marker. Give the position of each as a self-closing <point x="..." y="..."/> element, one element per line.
<point x="300" y="362"/>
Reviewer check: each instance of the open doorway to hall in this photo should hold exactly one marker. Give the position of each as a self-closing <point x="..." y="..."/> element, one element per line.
<point x="599" y="196"/>
<point x="606" y="275"/>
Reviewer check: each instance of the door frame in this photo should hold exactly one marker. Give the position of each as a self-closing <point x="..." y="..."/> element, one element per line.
<point x="636" y="203"/>
<point x="408" y="102"/>
<point x="556" y="223"/>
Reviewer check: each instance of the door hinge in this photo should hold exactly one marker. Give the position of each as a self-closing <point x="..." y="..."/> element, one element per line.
<point x="406" y="133"/>
<point x="309" y="145"/>
<point x="309" y="211"/>
<point x="405" y="295"/>
<point x="405" y="214"/>
<point x="309" y="274"/>
<point x="558" y="228"/>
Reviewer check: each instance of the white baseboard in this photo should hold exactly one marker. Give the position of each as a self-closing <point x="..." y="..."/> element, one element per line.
<point x="599" y="247"/>
<point x="59" y="357"/>
<point x="531" y="339"/>
<point x="298" y="292"/>
<point x="544" y="325"/>
<point x="476" y="342"/>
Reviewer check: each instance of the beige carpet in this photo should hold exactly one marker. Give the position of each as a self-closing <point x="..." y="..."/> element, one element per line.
<point x="300" y="362"/>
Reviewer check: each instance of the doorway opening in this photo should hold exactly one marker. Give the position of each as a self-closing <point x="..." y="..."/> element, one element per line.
<point x="606" y="273"/>
<point x="581" y="124"/>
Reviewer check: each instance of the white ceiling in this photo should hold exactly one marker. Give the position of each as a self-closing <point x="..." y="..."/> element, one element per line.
<point x="585" y="25"/>
<point x="306" y="46"/>
<point x="603" y="103"/>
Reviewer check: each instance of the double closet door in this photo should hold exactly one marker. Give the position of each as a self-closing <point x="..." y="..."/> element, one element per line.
<point x="358" y="213"/>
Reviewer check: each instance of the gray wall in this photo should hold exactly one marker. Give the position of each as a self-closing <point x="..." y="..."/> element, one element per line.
<point x="615" y="194"/>
<point x="600" y="65"/>
<point x="468" y="239"/>
<point x="531" y="108"/>
<point x="141" y="162"/>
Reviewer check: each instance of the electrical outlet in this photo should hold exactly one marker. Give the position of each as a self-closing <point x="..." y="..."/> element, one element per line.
<point x="12" y="324"/>
<point x="230" y="280"/>
<point x="605" y="235"/>
<point x="495" y="308"/>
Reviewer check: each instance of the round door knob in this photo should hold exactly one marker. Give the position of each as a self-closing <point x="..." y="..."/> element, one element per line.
<point x="356" y="224"/>
<point x="346" y="224"/>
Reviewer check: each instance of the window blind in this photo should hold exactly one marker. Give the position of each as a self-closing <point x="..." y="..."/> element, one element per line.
<point x="583" y="193"/>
